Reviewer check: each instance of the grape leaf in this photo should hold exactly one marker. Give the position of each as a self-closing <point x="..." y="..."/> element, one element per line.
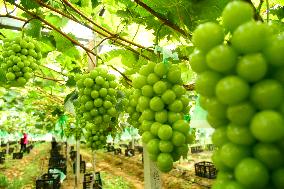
<point x="47" y="44"/>
<point x="11" y="1"/>
<point x="56" y="20"/>
<point x="95" y="3"/>
<point x="71" y="96"/>
<point x="64" y="45"/>
<point x="29" y="4"/>
<point x="76" y="70"/>
<point x="277" y="10"/>
<point x="34" y="28"/>
<point x="71" y="81"/>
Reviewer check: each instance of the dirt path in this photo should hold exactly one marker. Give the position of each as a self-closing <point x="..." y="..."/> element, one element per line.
<point x="128" y="168"/>
<point x="16" y="167"/>
<point x="131" y="169"/>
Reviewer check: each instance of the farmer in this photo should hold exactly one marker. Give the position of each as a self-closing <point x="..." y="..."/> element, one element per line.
<point x="24" y="142"/>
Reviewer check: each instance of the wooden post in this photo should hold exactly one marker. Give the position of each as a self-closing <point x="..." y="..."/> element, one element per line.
<point x="152" y="176"/>
<point x="94" y="169"/>
<point x="77" y="165"/>
<point x="7" y="147"/>
<point x="132" y="142"/>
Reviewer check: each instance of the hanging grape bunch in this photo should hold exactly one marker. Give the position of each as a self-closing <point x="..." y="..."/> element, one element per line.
<point x="21" y="59"/>
<point x="162" y="102"/>
<point x="132" y="96"/>
<point x="96" y="104"/>
<point x="241" y="87"/>
<point x="96" y="136"/>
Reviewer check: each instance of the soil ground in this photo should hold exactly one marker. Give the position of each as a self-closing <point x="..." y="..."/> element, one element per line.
<point x="114" y="169"/>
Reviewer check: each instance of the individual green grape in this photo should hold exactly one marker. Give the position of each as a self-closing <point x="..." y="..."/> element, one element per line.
<point x="267" y="126"/>
<point x="219" y="137"/>
<point x="216" y="108"/>
<point x="203" y="41"/>
<point x="240" y="135"/>
<point x="221" y="58"/>
<point x="252" y="173"/>
<point x="273" y="51"/>
<point x="231" y="154"/>
<point x="198" y="62"/>
<point x="206" y="83"/>
<point x="277" y="178"/>
<point x="236" y="13"/>
<point x="241" y="114"/>
<point x="252" y="67"/>
<point x="269" y="154"/>
<point x="232" y="90"/>
<point x="267" y="94"/>
<point x="251" y="37"/>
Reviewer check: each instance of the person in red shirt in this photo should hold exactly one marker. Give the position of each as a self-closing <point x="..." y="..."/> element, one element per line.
<point x="24" y="142"/>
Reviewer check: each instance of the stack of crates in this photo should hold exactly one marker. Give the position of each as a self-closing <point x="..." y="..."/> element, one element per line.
<point x="48" y="181"/>
<point x="2" y="158"/>
<point x="82" y="167"/>
<point x="205" y="169"/>
<point x="18" y="155"/>
<point x="57" y="161"/>
<point x="88" y="178"/>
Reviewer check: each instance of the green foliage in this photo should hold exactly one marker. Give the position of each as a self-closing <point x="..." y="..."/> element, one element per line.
<point x="29" y="4"/>
<point x="71" y="81"/>
<point x="278" y="10"/>
<point x="34" y="28"/>
<point x="56" y="20"/>
<point x="15" y="184"/>
<point x="3" y="181"/>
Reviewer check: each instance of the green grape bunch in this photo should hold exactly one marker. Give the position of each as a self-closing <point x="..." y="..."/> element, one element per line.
<point x="21" y="58"/>
<point x="161" y="99"/>
<point x="241" y="85"/>
<point x="130" y="102"/>
<point x="97" y="99"/>
<point x="96" y="136"/>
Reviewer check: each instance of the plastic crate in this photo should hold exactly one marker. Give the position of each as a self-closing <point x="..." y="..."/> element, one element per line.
<point x="117" y="151"/>
<point x="196" y="149"/>
<point x="58" y="163"/>
<point x="123" y="145"/>
<point x="18" y="155"/>
<point x="129" y="152"/>
<point x="2" y="160"/>
<point x="48" y="181"/>
<point x="2" y="154"/>
<point x="10" y="150"/>
<point x="88" y="178"/>
<point x="139" y="149"/>
<point x="82" y="167"/>
<point x="73" y="155"/>
<point x="63" y="169"/>
<point x="205" y="169"/>
<point x="110" y="148"/>
<point x="210" y="147"/>
<point x="72" y="148"/>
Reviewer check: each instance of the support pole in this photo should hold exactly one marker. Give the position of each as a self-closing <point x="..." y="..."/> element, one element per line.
<point x="7" y="147"/>
<point x="152" y="176"/>
<point x="132" y="142"/>
<point x="77" y="164"/>
<point x="94" y="169"/>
